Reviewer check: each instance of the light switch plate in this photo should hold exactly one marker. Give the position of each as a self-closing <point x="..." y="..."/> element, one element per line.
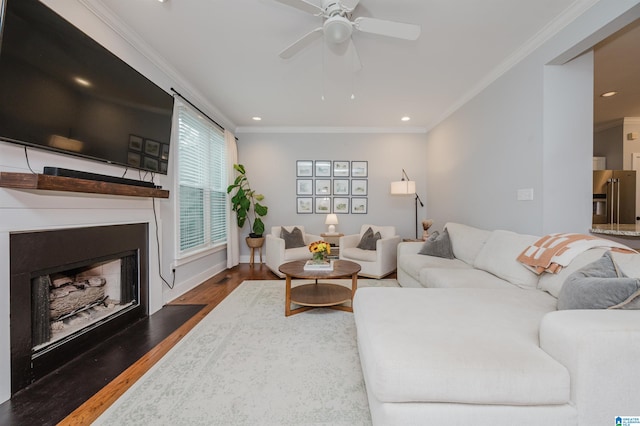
<point x="525" y="194"/>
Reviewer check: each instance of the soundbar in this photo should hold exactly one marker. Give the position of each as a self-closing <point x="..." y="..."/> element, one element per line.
<point x="58" y="171"/>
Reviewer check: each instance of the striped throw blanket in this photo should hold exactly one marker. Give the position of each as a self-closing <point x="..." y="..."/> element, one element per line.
<point x="553" y="252"/>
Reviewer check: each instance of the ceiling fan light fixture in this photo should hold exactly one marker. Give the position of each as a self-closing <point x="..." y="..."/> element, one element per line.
<point x="337" y="29"/>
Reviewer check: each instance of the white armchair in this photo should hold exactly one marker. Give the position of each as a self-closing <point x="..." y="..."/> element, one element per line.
<point x="276" y="252"/>
<point x="373" y="263"/>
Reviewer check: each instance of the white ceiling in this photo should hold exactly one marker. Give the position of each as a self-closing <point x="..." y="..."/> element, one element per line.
<point x="228" y="52"/>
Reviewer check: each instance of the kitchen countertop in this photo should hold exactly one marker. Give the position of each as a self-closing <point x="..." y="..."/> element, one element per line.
<point x="625" y="230"/>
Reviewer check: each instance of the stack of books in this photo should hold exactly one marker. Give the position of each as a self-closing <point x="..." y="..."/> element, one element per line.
<point x="313" y="266"/>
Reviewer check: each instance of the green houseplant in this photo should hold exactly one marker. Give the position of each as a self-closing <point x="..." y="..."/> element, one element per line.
<point x="246" y="203"/>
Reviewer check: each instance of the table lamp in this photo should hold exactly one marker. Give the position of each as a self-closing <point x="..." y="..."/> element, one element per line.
<point x="332" y="221"/>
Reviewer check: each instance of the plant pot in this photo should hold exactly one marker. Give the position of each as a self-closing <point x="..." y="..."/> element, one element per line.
<point x="254" y="242"/>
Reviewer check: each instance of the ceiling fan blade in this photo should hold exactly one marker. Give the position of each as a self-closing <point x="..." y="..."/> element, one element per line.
<point x="349" y="5"/>
<point x="387" y="28"/>
<point x="300" y="44"/>
<point x="303" y="5"/>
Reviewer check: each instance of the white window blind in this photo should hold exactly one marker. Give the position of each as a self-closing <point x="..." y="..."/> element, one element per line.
<point x="202" y="182"/>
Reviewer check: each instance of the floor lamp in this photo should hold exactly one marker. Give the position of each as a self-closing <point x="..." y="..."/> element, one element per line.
<point x="407" y="187"/>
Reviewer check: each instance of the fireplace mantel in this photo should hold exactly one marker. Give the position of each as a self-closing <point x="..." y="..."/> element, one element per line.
<point x="60" y="183"/>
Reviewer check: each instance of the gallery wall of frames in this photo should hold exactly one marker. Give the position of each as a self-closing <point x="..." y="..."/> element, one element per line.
<point x="324" y="186"/>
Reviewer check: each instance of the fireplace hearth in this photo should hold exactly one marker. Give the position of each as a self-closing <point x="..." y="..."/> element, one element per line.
<point x="70" y="290"/>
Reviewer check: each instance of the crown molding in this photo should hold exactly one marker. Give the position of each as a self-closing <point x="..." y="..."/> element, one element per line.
<point x="106" y="15"/>
<point x="540" y="38"/>
<point x="307" y="130"/>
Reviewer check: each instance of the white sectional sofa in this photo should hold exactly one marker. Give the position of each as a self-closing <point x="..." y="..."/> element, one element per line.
<point x="479" y="341"/>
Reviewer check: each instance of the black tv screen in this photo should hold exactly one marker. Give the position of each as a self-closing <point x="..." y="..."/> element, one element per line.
<point x="62" y="91"/>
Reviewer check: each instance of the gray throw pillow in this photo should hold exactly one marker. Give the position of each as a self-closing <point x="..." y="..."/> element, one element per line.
<point x="600" y="285"/>
<point x="438" y="245"/>
<point x="293" y="239"/>
<point x="368" y="240"/>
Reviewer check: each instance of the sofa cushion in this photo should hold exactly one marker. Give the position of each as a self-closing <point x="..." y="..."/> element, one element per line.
<point x="299" y="253"/>
<point x="599" y="285"/>
<point x="461" y="278"/>
<point x="354" y="253"/>
<point x="628" y="263"/>
<point x="474" y="346"/>
<point x="293" y="238"/>
<point x="368" y="240"/>
<point x="552" y="283"/>
<point x="466" y="241"/>
<point x="412" y="264"/>
<point x="499" y="256"/>
<point x="385" y="231"/>
<point x="438" y="245"/>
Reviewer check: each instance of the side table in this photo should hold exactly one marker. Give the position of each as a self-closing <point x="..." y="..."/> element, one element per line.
<point x="334" y="241"/>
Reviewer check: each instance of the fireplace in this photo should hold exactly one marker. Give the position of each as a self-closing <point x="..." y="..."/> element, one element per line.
<point x="71" y="289"/>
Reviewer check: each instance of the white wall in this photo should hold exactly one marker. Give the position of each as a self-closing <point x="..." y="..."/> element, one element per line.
<point x="607" y="142"/>
<point x="531" y="128"/>
<point x="270" y="160"/>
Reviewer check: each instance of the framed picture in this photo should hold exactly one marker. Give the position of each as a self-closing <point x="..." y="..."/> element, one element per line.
<point x="323" y="168"/>
<point x="341" y="187"/>
<point x="135" y="143"/>
<point x="341" y="169"/>
<point x="304" y="168"/>
<point x="151" y="147"/>
<point x="150" y="163"/>
<point x="359" y="205"/>
<point x="359" y="187"/>
<point x="133" y="159"/>
<point x="323" y="186"/>
<point x="359" y="169"/>
<point x="304" y="187"/>
<point x="304" y="205"/>
<point x="164" y="166"/>
<point x="341" y="205"/>
<point x="165" y="152"/>
<point x="323" y="205"/>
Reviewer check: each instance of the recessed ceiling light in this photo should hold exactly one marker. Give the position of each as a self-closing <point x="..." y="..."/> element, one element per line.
<point x="82" y="82"/>
<point x="256" y="118"/>
<point x="405" y="118"/>
<point x="609" y="94"/>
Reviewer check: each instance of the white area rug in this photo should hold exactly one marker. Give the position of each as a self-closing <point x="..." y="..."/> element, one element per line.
<point x="247" y="364"/>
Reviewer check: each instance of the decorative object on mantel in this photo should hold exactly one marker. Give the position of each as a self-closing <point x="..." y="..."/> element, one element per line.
<point x="246" y="202"/>
<point x="407" y="187"/>
<point x="426" y="224"/>
<point x="332" y="221"/>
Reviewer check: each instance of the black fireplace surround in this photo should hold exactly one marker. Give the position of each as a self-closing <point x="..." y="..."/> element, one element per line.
<point x="36" y="253"/>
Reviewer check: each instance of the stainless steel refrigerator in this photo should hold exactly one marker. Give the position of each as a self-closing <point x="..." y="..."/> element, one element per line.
<point x="614" y="196"/>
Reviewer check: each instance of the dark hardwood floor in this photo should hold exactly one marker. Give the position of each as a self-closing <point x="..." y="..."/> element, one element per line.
<point x="79" y="392"/>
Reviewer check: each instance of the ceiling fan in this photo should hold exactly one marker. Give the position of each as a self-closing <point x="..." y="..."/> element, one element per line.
<point x="338" y="25"/>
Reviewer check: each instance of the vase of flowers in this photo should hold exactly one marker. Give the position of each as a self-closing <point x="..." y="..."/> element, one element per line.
<point x="319" y="251"/>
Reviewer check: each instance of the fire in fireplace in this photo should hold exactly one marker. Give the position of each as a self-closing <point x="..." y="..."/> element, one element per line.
<point x="71" y="289"/>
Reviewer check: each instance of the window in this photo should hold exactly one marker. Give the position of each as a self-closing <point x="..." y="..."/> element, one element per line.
<point x="202" y="192"/>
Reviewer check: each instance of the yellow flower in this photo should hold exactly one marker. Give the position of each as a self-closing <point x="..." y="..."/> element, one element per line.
<point x="320" y="247"/>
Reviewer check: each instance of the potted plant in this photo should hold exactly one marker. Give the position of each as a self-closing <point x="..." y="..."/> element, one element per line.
<point x="246" y="203"/>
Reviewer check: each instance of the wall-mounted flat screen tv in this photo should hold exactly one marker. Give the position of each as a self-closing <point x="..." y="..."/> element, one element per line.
<point x="62" y="91"/>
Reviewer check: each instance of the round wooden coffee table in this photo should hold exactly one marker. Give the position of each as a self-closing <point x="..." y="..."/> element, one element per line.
<point x="319" y="295"/>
